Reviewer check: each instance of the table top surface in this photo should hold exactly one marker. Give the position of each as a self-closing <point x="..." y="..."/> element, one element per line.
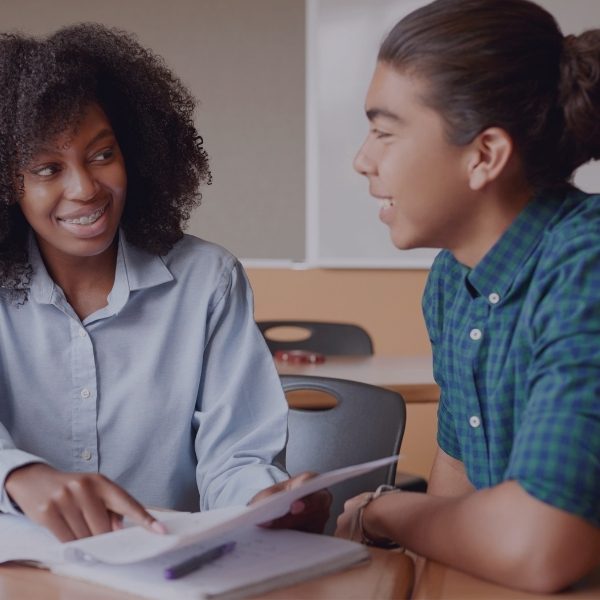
<point x="389" y="575"/>
<point x="438" y="582"/>
<point x="412" y="376"/>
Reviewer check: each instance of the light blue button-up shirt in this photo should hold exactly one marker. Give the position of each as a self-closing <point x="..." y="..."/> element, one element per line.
<point x="169" y="390"/>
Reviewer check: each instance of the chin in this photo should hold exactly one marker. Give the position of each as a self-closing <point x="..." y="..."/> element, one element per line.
<point x="404" y="242"/>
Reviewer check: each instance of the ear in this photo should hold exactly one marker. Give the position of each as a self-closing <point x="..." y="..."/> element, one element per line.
<point x="490" y="153"/>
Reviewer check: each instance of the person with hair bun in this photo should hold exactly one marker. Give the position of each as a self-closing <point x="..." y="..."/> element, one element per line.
<point x="132" y="372"/>
<point x="480" y="111"/>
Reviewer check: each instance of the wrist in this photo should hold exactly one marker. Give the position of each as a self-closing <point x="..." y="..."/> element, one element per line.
<point x="371" y="519"/>
<point x="11" y="483"/>
<point x="371" y="525"/>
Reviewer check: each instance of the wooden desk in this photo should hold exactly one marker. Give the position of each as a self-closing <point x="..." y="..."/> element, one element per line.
<point x="388" y="576"/>
<point x="411" y="376"/>
<point x="440" y="582"/>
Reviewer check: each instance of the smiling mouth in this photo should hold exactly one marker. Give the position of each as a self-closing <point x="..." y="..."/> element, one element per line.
<point x="386" y="203"/>
<point x="87" y="220"/>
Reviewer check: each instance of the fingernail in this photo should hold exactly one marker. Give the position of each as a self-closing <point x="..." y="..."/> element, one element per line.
<point x="158" y="527"/>
<point x="297" y="507"/>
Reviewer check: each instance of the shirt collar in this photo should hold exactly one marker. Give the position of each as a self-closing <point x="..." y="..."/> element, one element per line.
<point x="493" y="276"/>
<point x="135" y="270"/>
<point x="143" y="270"/>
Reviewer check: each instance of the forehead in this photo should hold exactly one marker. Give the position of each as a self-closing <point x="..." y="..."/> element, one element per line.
<point x="91" y="120"/>
<point x="393" y="93"/>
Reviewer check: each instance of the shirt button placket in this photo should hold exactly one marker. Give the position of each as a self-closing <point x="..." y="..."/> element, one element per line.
<point x="85" y="407"/>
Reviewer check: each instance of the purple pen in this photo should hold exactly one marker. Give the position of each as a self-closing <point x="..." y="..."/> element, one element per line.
<point x="197" y="562"/>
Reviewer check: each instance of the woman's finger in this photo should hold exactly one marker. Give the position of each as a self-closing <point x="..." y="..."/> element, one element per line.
<point x="121" y="503"/>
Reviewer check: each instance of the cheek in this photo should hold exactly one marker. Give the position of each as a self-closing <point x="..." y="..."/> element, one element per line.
<point x="116" y="181"/>
<point x="36" y="203"/>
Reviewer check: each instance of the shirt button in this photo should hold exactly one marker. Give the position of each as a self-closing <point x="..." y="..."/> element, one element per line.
<point x="474" y="421"/>
<point x="82" y="333"/>
<point x="85" y="393"/>
<point x="86" y="455"/>
<point x="475" y="334"/>
<point x="494" y="298"/>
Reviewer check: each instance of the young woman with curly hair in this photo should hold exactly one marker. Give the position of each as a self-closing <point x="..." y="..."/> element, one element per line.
<point x="131" y="366"/>
<point x="480" y="111"/>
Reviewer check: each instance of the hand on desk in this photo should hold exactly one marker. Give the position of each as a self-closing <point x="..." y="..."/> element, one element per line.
<point x="74" y="505"/>
<point x="307" y="514"/>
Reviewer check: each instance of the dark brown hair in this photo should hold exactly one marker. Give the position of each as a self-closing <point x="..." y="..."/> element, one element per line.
<point x="505" y="63"/>
<point x="47" y="84"/>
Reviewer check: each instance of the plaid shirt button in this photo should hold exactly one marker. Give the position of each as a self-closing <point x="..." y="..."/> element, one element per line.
<point x="474" y="421"/>
<point x="475" y="334"/>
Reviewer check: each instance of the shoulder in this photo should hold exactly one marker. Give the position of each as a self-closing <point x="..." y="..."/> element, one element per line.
<point x="576" y="227"/>
<point x="205" y="268"/>
<point x="192" y="256"/>
<point x="566" y="282"/>
<point x="445" y="277"/>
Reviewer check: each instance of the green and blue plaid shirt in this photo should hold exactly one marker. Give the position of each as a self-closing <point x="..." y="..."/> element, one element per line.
<point x="516" y="347"/>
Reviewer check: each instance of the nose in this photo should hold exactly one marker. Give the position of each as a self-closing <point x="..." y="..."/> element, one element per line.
<point x="81" y="185"/>
<point x="363" y="163"/>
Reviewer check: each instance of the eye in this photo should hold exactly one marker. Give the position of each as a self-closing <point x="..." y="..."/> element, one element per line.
<point x="103" y="155"/>
<point x="45" y="170"/>
<point x="380" y="134"/>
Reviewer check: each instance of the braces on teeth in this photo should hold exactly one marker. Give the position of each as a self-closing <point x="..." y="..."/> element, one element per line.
<point x="386" y="203"/>
<point x="87" y="220"/>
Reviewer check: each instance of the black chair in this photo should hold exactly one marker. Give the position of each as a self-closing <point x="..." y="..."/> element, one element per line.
<point x="324" y="337"/>
<point x="366" y="423"/>
<point x="342" y="339"/>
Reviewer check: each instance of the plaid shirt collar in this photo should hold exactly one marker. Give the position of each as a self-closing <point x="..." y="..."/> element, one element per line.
<point x="497" y="270"/>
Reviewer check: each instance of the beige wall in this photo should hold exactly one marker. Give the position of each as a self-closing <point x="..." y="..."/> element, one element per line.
<point x="387" y="303"/>
<point x="244" y="62"/>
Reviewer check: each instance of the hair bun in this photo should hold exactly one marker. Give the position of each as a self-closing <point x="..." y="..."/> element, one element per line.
<point x="579" y="94"/>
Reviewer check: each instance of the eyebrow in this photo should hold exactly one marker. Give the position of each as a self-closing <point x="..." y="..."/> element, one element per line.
<point x="374" y="113"/>
<point x="106" y="132"/>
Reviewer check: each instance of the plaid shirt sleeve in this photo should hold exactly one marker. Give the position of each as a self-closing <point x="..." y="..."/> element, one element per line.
<point x="556" y="452"/>
<point x="433" y="312"/>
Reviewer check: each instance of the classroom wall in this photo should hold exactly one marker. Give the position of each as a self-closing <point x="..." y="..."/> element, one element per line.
<point x="387" y="302"/>
<point x="244" y="61"/>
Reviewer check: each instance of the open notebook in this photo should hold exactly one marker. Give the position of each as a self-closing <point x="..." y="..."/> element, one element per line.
<point x="134" y="559"/>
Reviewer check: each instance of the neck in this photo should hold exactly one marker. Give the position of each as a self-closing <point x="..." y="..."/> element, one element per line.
<point x="86" y="281"/>
<point x="499" y="207"/>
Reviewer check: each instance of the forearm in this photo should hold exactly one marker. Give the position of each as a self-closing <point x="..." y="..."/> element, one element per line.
<point x="11" y="458"/>
<point x="500" y="534"/>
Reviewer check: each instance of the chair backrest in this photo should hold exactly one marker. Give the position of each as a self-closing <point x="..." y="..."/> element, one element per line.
<point x="325" y="338"/>
<point x="366" y="423"/>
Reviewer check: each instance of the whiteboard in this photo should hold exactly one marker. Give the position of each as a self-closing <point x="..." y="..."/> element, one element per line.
<point x="343" y="38"/>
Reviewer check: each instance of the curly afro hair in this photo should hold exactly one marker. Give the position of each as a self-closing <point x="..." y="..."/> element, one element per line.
<point x="47" y="85"/>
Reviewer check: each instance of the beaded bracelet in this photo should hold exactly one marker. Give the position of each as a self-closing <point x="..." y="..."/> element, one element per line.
<point x="357" y="521"/>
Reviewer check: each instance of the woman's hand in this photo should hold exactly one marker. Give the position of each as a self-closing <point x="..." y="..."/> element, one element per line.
<point x="307" y="514"/>
<point x="74" y="505"/>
